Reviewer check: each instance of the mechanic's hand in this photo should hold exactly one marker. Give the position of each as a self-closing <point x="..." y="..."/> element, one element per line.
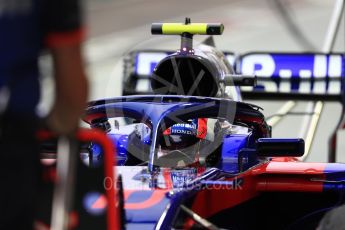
<point x="59" y="125"/>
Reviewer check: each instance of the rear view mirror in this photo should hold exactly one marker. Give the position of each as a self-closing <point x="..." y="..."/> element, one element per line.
<point x="239" y="80"/>
<point x="275" y="147"/>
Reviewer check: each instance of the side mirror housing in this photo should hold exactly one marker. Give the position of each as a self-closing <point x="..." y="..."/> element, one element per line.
<point x="276" y="147"/>
<point x="240" y="80"/>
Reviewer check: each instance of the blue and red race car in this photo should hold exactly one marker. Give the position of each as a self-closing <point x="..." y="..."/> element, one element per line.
<point x="193" y="155"/>
<point x="233" y="175"/>
<point x="190" y="154"/>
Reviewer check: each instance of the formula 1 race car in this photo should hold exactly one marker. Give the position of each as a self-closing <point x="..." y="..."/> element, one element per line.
<point x="190" y="154"/>
<point x="193" y="155"/>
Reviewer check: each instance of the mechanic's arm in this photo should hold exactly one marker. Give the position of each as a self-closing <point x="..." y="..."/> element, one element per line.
<point x="70" y="89"/>
<point x="64" y="34"/>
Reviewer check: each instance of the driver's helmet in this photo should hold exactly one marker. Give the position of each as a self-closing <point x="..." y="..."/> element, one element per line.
<point x="185" y="144"/>
<point x="183" y="135"/>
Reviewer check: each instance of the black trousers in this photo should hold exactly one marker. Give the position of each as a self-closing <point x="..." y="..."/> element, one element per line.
<point x="19" y="171"/>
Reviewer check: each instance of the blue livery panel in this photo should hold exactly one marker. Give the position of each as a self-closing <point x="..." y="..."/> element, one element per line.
<point x="294" y="72"/>
<point x="298" y="73"/>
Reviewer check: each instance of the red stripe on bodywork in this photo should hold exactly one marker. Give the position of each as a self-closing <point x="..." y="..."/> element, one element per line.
<point x="290" y="176"/>
<point x="212" y="200"/>
<point x="127" y="193"/>
<point x="156" y="197"/>
<point x="290" y="184"/>
<point x="291" y="168"/>
<point x="285" y="159"/>
<point x="270" y="176"/>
